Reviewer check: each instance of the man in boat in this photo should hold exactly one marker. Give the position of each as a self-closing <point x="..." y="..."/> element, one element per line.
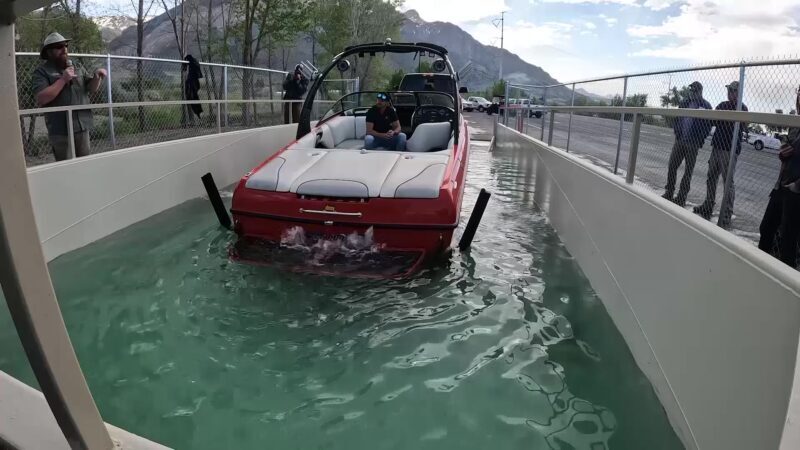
<point x="59" y="83"/>
<point x="383" y="126"/>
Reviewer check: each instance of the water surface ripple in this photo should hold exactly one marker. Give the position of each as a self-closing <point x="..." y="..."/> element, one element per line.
<point x="503" y="347"/>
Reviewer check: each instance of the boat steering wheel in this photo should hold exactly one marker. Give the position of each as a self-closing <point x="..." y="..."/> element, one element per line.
<point x="431" y="114"/>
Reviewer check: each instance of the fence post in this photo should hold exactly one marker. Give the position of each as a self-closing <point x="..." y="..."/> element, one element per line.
<point x="544" y="103"/>
<point x="110" y="96"/>
<point x="70" y="135"/>
<point x="726" y="209"/>
<point x="219" y="117"/>
<point x="569" y="125"/>
<point x="552" y="126"/>
<point x="506" y="111"/>
<point x="225" y="91"/>
<point x="621" y="125"/>
<point x="637" y="127"/>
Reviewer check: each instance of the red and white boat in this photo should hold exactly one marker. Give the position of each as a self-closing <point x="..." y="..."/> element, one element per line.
<point x="326" y="183"/>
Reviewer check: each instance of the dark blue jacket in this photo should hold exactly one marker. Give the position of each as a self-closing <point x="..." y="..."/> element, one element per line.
<point x="698" y="129"/>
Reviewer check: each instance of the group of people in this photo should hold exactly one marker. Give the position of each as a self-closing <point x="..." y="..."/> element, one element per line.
<point x="782" y="216"/>
<point x="57" y="82"/>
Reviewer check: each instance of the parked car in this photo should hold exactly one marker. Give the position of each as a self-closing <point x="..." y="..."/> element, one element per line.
<point x="497" y="102"/>
<point x="759" y="141"/>
<point x="467" y="105"/>
<point x="480" y="103"/>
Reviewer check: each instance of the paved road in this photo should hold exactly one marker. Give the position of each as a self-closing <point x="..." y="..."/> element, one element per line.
<point x="596" y="139"/>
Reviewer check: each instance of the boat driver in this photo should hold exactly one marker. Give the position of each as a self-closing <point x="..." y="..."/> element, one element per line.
<point x="383" y="126"/>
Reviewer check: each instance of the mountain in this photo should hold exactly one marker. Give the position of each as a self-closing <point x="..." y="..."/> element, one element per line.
<point x="481" y="60"/>
<point x="111" y="27"/>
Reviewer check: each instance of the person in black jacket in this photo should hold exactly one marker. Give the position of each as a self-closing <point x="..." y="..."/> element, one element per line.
<point x="294" y="87"/>
<point x="191" y="88"/>
<point x="690" y="135"/>
<point x="720" y="157"/>
<point x="782" y="215"/>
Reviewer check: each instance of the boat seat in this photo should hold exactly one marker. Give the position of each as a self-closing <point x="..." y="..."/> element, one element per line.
<point x="279" y="174"/>
<point x="416" y="176"/>
<point x="430" y="136"/>
<point x="351" y="144"/>
<point x="347" y="173"/>
<point x="353" y="173"/>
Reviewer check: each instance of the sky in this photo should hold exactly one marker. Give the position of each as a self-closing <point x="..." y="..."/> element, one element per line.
<point x="580" y="39"/>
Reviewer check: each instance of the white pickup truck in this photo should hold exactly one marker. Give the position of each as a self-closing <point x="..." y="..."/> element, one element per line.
<point x="760" y="141"/>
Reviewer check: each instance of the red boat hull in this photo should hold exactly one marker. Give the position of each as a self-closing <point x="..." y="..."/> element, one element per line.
<point x="419" y="225"/>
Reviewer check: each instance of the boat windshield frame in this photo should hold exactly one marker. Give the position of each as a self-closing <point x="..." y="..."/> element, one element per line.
<point x="304" y="125"/>
<point x="393" y="95"/>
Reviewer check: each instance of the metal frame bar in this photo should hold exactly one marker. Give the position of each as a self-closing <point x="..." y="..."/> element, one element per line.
<point x="634" y="152"/>
<point x="25" y="112"/>
<point x="110" y="96"/>
<point x="164" y="60"/>
<point x="725" y="210"/>
<point x="569" y="126"/>
<point x="621" y="126"/>
<point x="552" y="126"/>
<point x="27" y="286"/>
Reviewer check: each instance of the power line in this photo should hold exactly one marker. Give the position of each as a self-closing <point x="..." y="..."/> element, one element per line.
<point x="501" y="23"/>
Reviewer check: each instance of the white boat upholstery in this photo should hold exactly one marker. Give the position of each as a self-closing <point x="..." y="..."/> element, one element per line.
<point x="430" y="136"/>
<point x="415" y="176"/>
<point x="341" y="169"/>
<point x="347" y="173"/>
<point x="279" y="174"/>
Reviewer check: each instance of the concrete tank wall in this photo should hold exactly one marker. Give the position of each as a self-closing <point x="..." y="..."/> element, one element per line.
<point x="712" y="321"/>
<point x="79" y="201"/>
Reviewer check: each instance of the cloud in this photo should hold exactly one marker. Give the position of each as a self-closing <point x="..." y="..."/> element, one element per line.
<point x="724" y="29"/>
<point x="456" y="11"/>
<point x="589" y="25"/>
<point x="610" y="21"/>
<point x="658" y="5"/>
<point x="595" y="2"/>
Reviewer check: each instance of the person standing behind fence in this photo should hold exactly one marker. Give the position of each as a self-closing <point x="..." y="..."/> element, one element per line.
<point x="294" y="86"/>
<point x="192" y="85"/>
<point x="690" y="135"/>
<point x="57" y="82"/>
<point x="783" y="210"/>
<point x="720" y="157"/>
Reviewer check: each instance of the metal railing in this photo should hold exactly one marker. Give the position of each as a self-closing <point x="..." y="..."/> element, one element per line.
<point x="140" y="82"/>
<point x="647" y="146"/>
<point x="164" y="121"/>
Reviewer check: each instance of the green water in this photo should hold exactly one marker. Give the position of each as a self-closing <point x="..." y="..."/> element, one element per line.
<point x="506" y="347"/>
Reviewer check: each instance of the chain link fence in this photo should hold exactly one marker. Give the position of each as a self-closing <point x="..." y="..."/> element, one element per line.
<point x="699" y="163"/>
<point x="137" y="80"/>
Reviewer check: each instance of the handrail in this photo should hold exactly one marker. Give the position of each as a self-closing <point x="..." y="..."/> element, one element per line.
<point x="146" y="58"/>
<point x="772" y="62"/>
<point x="785" y="120"/>
<point x="53" y="109"/>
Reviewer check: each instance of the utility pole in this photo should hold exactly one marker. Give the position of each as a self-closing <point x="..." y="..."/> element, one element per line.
<point x="501" y="23"/>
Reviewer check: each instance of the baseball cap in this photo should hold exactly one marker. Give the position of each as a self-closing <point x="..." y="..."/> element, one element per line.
<point x="696" y="86"/>
<point x="734" y="86"/>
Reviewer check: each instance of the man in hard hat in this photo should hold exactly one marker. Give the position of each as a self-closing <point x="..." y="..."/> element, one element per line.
<point x="57" y="82"/>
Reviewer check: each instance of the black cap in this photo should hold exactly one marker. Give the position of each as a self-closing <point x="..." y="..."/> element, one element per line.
<point x="696" y="86"/>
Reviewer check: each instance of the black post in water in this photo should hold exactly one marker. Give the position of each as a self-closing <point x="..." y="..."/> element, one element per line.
<point x="216" y="201"/>
<point x="474" y="220"/>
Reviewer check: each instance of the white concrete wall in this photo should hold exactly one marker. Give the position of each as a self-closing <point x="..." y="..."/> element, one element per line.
<point x="712" y="321"/>
<point x="80" y="201"/>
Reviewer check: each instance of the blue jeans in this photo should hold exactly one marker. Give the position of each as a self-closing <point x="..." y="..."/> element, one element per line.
<point x="396" y="142"/>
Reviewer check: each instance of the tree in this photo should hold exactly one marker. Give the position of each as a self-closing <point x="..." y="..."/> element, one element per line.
<point x="394" y="81"/>
<point x="32" y="28"/>
<point x="263" y="25"/>
<point x="142" y="9"/>
<point x="344" y="23"/>
<point x="498" y="88"/>
<point x="674" y="97"/>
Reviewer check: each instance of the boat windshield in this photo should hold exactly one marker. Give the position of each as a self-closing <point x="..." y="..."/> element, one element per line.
<point x="358" y="103"/>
